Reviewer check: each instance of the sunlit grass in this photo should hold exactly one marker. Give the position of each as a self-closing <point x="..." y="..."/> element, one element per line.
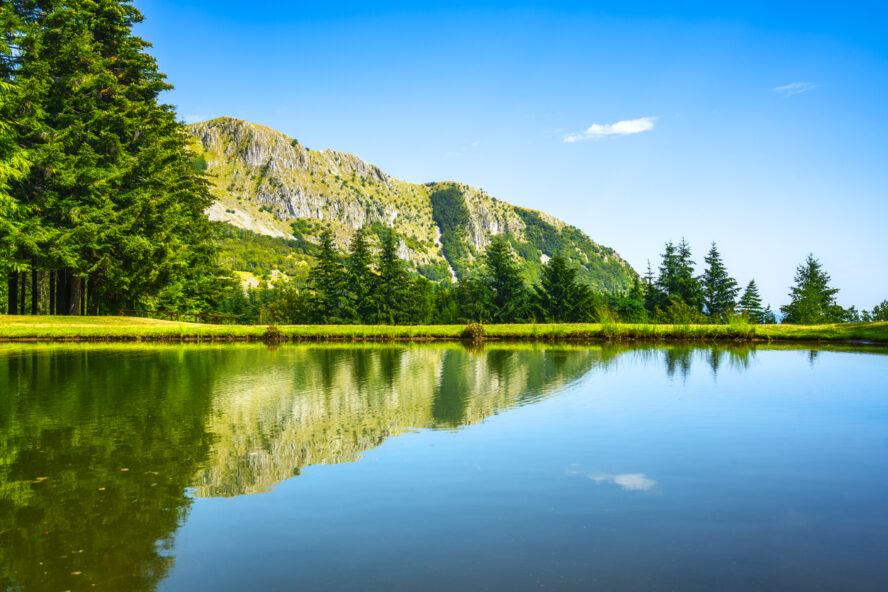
<point x="38" y="328"/>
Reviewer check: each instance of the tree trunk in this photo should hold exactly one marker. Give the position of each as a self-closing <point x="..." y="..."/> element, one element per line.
<point x="23" y="284"/>
<point x="75" y="294"/>
<point x="52" y="292"/>
<point x="35" y="290"/>
<point x="92" y="304"/>
<point x="63" y="295"/>
<point x="12" y="284"/>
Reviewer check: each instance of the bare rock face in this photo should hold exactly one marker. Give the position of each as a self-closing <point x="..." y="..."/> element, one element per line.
<point x="264" y="181"/>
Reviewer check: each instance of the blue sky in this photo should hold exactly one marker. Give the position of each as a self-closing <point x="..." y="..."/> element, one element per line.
<point x="760" y="126"/>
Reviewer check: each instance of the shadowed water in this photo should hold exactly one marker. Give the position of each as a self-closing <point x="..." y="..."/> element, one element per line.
<point x="438" y="468"/>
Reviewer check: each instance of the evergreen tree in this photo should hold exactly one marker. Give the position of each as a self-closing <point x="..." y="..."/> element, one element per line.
<point x="630" y="307"/>
<point x="560" y="297"/>
<point x="474" y="297"/>
<point x="327" y="278"/>
<point x="360" y="277"/>
<point x="676" y="280"/>
<point x="880" y="312"/>
<point x="687" y="285"/>
<point x="653" y="295"/>
<point x="719" y="289"/>
<point x="509" y="295"/>
<point x="813" y="301"/>
<point x="751" y="303"/>
<point x="121" y="209"/>
<point x="391" y="292"/>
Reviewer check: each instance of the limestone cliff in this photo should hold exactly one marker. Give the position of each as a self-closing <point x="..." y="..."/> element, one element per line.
<point x="270" y="184"/>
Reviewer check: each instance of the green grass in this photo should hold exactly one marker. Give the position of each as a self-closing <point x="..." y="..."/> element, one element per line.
<point x="46" y="328"/>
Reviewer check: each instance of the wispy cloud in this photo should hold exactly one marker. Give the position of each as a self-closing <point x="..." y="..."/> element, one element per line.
<point x="620" y="128"/>
<point x="794" y="88"/>
<point x="628" y="481"/>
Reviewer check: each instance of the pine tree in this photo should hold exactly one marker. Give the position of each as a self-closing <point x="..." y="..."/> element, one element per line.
<point x="560" y="297"/>
<point x="880" y="312"/>
<point x="391" y="292"/>
<point x="122" y="218"/>
<point x="509" y="294"/>
<point x="676" y="280"/>
<point x="813" y="301"/>
<point x="360" y="277"/>
<point x="653" y="296"/>
<point x="719" y="289"/>
<point x="750" y="304"/>
<point x="327" y="280"/>
<point x="687" y="285"/>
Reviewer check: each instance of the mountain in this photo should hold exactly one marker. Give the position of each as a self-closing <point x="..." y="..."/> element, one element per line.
<point x="270" y="185"/>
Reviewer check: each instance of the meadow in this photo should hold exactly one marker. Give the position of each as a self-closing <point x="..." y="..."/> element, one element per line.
<point x="118" y="328"/>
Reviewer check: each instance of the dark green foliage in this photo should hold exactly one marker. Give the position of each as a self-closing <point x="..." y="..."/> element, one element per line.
<point x="676" y="281"/>
<point x="360" y="277"/>
<point x="451" y="215"/>
<point x="719" y="289"/>
<point x="750" y="304"/>
<point x="392" y="288"/>
<point x="329" y="298"/>
<point x="813" y="300"/>
<point x="588" y="258"/>
<point x="244" y="250"/>
<point x="560" y="297"/>
<point x="508" y="293"/>
<point x="880" y="311"/>
<point x="112" y="206"/>
<point x="474" y="297"/>
<point x="630" y="307"/>
<point x="435" y="272"/>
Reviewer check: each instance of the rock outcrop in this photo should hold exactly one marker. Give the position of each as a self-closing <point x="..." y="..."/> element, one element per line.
<point x="265" y="181"/>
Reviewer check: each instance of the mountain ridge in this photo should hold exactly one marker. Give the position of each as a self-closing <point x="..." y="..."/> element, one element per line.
<point x="267" y="182"/>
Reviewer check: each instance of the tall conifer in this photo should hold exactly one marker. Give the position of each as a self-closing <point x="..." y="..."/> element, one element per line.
<point x="719" y="289"/>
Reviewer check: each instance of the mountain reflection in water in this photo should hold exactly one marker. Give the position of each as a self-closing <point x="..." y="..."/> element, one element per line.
<point x="104" y="449"/>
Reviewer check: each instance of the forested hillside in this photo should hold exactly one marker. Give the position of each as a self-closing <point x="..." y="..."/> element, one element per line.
<point x="271" y="184"/>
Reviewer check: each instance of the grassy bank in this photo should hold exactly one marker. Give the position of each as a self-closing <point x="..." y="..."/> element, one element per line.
<point x="29" y="328"/>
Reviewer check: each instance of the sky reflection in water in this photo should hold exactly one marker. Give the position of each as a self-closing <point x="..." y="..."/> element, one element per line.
<point x="509" y="468"/>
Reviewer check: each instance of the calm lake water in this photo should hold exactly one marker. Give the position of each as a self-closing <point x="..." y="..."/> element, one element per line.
<point x="435" y="468"/>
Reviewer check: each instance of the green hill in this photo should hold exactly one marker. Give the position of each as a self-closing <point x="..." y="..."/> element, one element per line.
<point x="271" y="185"/>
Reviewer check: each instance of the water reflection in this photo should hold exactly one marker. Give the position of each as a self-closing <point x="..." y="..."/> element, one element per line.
<point x="99" y="446"/>
<point x="327" y="405"/>
<point x="103" y="449"/>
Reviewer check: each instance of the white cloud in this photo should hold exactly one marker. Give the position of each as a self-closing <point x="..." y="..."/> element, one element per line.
<point x="628" y="481"/>
<point x="794" y="88"/>
<point x="620" y="128"/>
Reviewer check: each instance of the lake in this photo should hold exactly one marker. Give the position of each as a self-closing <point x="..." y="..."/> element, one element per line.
<point x="436" y="467"/>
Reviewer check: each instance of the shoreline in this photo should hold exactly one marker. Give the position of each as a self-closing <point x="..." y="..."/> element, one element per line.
<point x="28" y="329"/>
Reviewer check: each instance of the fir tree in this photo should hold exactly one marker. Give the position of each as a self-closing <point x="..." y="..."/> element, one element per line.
<point x="360" y="277"/>
<point x="328" y="300"/>
<point x="676" y="280"/>
<point x="653" y="296"/>
<point x="560" y="297"/>
<point x="718" y="288"/>
<point x="813" y="301"/>
<point x="751" y="303"/>
<point x="391" y="291"/>
<point x="880" y="312"/>
<point x="687" y="286"/>
<point x="509" y="295"/>
<point x="122" y="218"/>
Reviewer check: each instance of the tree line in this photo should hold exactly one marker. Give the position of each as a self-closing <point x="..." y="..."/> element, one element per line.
<point x="101" y="206"/>
<point x="358" y="286"/>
